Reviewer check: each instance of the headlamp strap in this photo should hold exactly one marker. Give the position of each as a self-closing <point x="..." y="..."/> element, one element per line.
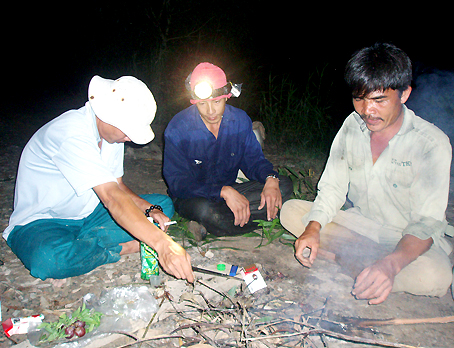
<point x="235" y="89"/>
<point x="187" y="82"/>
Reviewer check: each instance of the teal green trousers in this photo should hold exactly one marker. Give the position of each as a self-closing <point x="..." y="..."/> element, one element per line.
<point x="62" y="248"/>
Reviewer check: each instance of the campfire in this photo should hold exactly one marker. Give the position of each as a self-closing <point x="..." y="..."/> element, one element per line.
<point x="222" y="312"/>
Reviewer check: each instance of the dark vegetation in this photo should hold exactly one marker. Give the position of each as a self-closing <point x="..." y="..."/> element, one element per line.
<point x="160" y="42"/>
<point x="289" y="61"/>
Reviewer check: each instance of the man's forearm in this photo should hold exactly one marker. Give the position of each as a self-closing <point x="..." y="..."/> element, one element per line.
<point x="140" y="202"/>
<point x="407" y="250"/>
<point x="126" y="213"/>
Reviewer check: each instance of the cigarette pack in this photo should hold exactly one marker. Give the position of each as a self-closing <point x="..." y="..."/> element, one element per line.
<point x="16" y="326"/>
<point x="253" y="278"/>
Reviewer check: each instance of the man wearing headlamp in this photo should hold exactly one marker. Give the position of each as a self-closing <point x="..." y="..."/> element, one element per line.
<point x="205" y="146"/>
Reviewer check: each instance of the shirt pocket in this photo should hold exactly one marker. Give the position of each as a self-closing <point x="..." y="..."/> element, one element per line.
<point x="399" y="175"/>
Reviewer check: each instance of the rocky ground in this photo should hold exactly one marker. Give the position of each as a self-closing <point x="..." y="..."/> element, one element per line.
<point x="291" y="289"/>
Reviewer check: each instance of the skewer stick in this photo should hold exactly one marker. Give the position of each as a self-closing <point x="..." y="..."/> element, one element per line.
<point x="378" y="322"/>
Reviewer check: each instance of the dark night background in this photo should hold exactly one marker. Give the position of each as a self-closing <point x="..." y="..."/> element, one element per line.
<point x="52" y="51"/>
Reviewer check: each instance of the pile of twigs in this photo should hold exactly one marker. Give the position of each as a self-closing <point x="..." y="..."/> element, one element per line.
<point x="241" y="321"/>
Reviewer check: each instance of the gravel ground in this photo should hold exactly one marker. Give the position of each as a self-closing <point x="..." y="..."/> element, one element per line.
<point x="288" y="282"/>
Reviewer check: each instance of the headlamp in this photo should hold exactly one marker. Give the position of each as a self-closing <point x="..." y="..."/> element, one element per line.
<point x="203" y="90"/>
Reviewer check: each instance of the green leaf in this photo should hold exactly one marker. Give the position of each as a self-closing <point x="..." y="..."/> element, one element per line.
<point x="251" y="234"/>
<point x="271" y="230"/>
<point x="288" y="236"/>
<point x="91" y="327"/>
<point x="274" y="223"/>
<point x="232" y="291"/>
<point x="264" y="319"/>
<point x="75" y="315"/>
<point x="292" y="172"/>
<point x="275" y="236"/>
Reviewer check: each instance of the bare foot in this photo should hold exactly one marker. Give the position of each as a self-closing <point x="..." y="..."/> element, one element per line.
<point x="130" y="247"/>
<point x="57" y="283"/>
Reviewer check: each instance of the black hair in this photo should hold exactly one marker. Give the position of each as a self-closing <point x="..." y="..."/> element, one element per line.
<point x="377" y="68"/>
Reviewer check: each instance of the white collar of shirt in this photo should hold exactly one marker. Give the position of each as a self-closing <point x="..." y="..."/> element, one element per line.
<point x="91" y="113"/>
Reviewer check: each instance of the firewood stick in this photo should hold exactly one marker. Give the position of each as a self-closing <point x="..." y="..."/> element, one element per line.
<point x="378" y="322"/>
<point x="333" y="334"/>
<point x="327" y="254"/>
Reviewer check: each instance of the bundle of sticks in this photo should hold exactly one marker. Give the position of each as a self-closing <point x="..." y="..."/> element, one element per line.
<point x="239" y="321"/>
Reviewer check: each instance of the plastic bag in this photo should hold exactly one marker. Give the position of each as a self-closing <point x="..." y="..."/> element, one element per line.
<point x="124" y="309"/>
<point x="121" y="305"/>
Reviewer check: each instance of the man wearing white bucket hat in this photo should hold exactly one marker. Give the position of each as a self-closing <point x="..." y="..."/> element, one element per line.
<point x="72" y="211"/>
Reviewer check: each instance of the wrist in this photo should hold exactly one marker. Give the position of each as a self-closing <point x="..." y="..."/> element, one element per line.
<point x="272" y="176"/>
<point x="395" y="263"/>
<point x="224" y="191"/>
<point x="313" y="227"/>
<point x="151" y="208"/>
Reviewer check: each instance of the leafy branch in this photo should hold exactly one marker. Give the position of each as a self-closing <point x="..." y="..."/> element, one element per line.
<point x="272" y="230"/>
<point x="56" y="330"/>
<point x="303" y="185"/>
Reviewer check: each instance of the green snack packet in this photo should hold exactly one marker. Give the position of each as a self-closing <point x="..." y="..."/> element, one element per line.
<point x="150" y="263"/>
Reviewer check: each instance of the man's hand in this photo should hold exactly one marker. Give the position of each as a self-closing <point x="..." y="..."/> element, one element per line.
<point x="238" y="204"/>
<point x="375" y="282"/>
<point x="159" y="217"/>
<point x="271" y="196"/>
<point x="174" y="259"/>
<point x="309" y="239"/>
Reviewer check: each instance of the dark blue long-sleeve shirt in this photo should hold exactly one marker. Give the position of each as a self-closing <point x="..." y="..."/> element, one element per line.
<point x="196" y="164"/>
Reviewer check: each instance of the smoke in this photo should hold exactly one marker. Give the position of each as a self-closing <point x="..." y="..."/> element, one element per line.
<point x="432" y="99"/>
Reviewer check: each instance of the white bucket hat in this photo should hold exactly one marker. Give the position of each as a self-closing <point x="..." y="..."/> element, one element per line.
<point x="125" y="103"/>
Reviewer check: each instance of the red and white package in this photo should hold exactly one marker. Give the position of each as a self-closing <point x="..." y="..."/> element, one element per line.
<point x="253" y="278"/>
<point x="16" y="326"/>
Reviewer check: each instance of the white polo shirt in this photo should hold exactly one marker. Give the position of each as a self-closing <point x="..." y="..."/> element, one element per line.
<point x="60" y="165"/>
<point x="407" y="188"/>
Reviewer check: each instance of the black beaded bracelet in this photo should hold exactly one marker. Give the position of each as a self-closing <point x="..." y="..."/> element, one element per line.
<point x="152" y="207"/>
